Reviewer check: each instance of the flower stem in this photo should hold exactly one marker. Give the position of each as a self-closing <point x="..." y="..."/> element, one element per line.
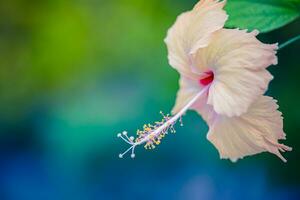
<point x="290" y="41"/>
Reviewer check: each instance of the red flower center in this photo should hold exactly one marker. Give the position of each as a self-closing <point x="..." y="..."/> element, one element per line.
<point x="207" y="79"/>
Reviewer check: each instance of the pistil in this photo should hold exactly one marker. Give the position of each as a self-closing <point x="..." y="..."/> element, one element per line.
<point x="151" y="135"/>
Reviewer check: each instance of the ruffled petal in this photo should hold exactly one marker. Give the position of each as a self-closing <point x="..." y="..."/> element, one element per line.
<point x="191" y="31"/>
<point x="239" y="63"/>
<point x="254" y="132"/>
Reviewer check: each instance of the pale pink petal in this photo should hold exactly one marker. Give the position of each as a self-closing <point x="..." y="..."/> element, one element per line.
<point x="254" y="132"/>
<point x="188" y="89"/>
<point x="239" y="63"/>
<point x="191" y="31"/>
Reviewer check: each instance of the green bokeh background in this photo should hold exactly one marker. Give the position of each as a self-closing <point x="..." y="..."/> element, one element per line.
<point x="75" y="73"/>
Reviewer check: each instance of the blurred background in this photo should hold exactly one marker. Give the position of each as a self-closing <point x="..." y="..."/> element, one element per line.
<point x="75" y="73"/>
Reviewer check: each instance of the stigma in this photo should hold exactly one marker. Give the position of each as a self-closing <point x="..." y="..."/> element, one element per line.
<point x="152" y="134"/>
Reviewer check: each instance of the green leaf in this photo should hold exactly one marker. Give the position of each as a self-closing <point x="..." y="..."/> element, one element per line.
<point x="264" y="15"/>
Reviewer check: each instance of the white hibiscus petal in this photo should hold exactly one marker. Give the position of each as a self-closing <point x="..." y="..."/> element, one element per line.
<point x="239" y="63"/>
<point x="254" y="132"/>
<point x="232" y="92"/>
<point x="192" y="30"/>
<point x="188" y="88"/>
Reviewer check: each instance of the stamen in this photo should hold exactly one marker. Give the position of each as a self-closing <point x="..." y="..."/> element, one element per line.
<point x="180" y="120"/>
<point x="152" y="134"/>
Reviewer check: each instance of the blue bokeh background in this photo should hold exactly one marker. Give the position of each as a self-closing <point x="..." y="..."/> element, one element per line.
<point x="75" y="73"/>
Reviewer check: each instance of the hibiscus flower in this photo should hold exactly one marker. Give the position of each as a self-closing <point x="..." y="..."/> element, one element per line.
<point x="223" y="77"/>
